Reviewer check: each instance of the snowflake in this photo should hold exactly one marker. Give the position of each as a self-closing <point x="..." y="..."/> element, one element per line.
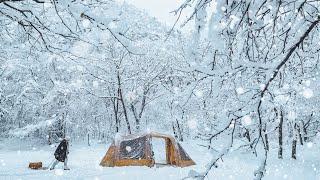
<point x="246" y="120"/>
<point x="49" y="122"/>
<point x="262" y="86"/>
<point x="192" y="124"/>
<point x="112" y="25"/>
<point x="234" y="20"/>
<point x="240" y="90"/>
<point x="199" y="93"/>
<point x="128" y="148"/>
<point x="86" y="23"/>
<point x="307" y="93"/>
<point x="95" y="84"/>
<point x="231" y="124"/>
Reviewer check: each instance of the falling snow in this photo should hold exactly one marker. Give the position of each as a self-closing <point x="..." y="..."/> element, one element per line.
<point x="230" y="81"/>
<point x="246" y="120"/>
<point x="128" y="148"/>
<point x="240" y="90"/>
<point x="307" y="93"/>
<point x="86" y="23"/>
<point x="192" y="124"/>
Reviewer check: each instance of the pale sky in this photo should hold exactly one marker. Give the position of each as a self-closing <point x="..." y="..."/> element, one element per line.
<point x="159" y="8"/>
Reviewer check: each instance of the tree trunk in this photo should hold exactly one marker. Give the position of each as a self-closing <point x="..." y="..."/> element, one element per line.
<point x="305" y="138"/>
<point x="174" y="131"/>
<point x="137" y="119"/>
<point x="125" y="112"/>
<point x="280" y="152"/>
<point x="143" y="105"/>
<point x="294" y="143"/>
<point x="179" y="131"/>
<point x="304" y="128"/>
<point x="115" y="105"/>
<point x="50" y="137"/>
<point x="137" y="116"/>
<point x="300" y="135"/>
<point x="247" y="135"/>
<point x="294" y="149"/>
<point x="88" y="135"/>
<point x="123" y="104"/>
<point x="266" y="137"/>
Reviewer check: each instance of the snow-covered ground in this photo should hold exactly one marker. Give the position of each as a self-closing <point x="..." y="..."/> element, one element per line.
<point x="84" y="164"/>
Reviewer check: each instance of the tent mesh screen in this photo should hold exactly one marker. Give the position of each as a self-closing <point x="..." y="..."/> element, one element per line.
<point x="183" y="154"/>
<point x="133" y="149"/>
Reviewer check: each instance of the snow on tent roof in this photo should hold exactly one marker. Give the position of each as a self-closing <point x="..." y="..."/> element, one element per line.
<point x="119" y="137"/>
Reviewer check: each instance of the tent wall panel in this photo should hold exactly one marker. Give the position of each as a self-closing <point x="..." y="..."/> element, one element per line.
<point x="109" y="158"/>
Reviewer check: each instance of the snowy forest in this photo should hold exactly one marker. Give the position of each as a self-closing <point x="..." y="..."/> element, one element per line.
<point x="235" y="82"/>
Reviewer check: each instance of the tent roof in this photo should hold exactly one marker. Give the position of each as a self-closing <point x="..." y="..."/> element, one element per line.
<point x="120" y="138"/>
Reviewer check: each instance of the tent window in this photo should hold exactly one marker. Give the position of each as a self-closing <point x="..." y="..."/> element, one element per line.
<point x="133" y="149"/>
<point x="183" y="154"/>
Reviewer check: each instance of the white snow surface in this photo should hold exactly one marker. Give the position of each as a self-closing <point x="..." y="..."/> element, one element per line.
<point x="84" y="164"/>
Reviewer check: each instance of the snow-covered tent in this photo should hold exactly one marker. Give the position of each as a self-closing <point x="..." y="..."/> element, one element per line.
<point x="136" y="150"/>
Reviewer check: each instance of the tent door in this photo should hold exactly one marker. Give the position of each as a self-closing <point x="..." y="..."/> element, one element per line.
<point x="159" y="151"/>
